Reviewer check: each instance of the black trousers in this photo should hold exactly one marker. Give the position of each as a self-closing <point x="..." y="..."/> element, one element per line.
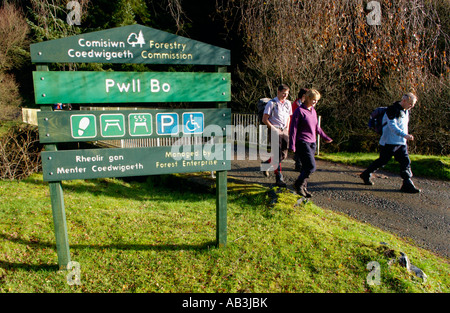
<point x="400" y="153"/>
<point x="305" y="151"/>
<point x="283" y="144"/>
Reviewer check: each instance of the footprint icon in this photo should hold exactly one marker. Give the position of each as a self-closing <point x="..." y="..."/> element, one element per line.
<point x="84" y="123"/>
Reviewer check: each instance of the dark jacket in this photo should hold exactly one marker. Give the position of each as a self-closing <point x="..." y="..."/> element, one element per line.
<point x="394" y="110"/>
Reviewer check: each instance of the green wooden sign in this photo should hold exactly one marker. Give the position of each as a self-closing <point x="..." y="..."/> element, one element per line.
<point x="116" y="162"/>
<point x="129" y="44"/>
<point x="130" y="87"/>
<point x="76" y="126"/>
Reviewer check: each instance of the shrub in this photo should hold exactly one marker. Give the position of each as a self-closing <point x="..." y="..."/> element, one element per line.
<point x="10" y="98"/>
<point x="13" y="53"/>
<point x="20" y="152"/>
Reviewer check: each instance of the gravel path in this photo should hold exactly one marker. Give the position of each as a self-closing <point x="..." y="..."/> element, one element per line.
<point x="423" y="217"/>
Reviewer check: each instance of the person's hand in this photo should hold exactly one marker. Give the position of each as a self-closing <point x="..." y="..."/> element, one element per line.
<point x="329" y="141"/>
<point x="409" y="137"/>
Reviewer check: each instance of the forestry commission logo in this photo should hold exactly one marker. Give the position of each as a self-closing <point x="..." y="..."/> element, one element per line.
<point x="134" y="39"/>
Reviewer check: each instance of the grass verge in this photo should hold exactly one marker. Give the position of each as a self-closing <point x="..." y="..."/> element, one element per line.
<point x="145" y="237"/>
<point x="422" y="165"/>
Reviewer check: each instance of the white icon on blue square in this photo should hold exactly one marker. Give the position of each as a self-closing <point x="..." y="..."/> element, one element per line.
<point x="193" y="122"/>
<point x="167" y="124"/>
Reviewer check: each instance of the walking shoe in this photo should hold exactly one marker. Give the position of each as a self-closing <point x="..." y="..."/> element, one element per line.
<point x="409" y="187"/>
<point x="306" y="193"/>
<point x="280" y="181"/>
<point x="266" y="166"/>
<point x="300" y="189"/>
<point x="366" y="179"/>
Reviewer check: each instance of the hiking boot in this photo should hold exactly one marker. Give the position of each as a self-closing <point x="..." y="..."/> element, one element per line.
<point x="297" y="187"/>
<point x="366" y="178"/>
<point x="280" y="181"/>
<point x="409" y="187"/>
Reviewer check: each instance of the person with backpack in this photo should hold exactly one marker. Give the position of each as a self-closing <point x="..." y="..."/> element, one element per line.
<point x="302" y="139"/>
<point x="276" y="116"/>
<point x="393" y="142"/>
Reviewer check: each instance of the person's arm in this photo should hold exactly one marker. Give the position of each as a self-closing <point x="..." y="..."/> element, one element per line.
<point x="392" y="115"/>
<point x="266" y="121"/>
<point x="289" y="118"/>
<point x="267" y="114"/>
<point x="395" y="129"/>
<point x="288" y="123"/>
<point x="322" y="134"/>
<point x="293" y="130"/>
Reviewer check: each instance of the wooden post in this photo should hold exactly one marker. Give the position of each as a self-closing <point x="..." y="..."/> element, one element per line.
<point x="221" y="193"/>
<point x="318" y="137"/>
<point x="60" y="224"/>
<point x="58" y="210"/>
<point x="221" y="208"/>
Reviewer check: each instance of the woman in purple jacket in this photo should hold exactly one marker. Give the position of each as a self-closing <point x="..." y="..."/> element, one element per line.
<point x="302" y="139"/>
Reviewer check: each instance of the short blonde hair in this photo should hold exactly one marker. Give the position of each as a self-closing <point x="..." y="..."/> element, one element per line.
<point x="313" y="94"/>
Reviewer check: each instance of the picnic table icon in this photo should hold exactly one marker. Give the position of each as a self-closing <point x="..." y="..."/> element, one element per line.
<point x="113" y="123"/>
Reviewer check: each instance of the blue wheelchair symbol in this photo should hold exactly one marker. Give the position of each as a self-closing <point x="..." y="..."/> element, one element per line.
<point x="193" y="123"/>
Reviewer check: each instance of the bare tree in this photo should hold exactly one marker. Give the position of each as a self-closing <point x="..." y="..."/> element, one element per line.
<point x="13" y="32"/>
<point x="331" y="46"/>
<point x="13" y="52"/>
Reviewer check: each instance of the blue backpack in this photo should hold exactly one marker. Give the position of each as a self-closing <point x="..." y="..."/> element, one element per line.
<point x="376" y="120"/>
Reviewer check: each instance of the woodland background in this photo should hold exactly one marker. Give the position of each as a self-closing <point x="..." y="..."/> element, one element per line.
<point x="322" y="44"/>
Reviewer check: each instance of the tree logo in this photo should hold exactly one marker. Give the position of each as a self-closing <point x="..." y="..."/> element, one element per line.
<point x="134" y="39"/>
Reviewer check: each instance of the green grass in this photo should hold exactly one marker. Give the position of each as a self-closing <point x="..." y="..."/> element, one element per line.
<point x="422" y="165"/>
<point x="145" y="237"/>
<point x="6" y="125"/>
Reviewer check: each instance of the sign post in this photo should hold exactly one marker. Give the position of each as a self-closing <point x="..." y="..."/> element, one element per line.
<point x="221" y="194"/>
<point x="58" y="209"/>
<point x="130" y="44"/>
